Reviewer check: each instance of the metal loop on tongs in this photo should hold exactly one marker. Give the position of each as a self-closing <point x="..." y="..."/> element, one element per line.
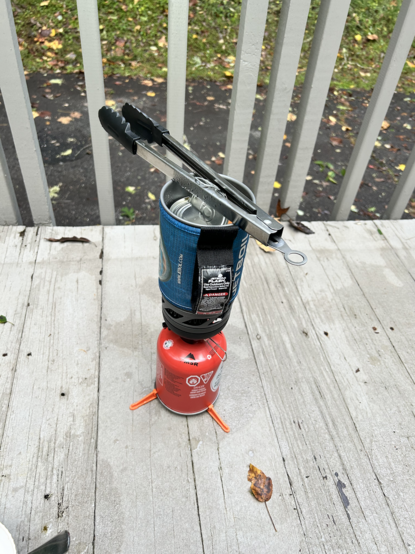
<point x="217" y="353"/>
<point x="283" y="247"/>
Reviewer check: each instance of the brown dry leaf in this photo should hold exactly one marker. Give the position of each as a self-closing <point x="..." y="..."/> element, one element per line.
<point x="280" y="210"/>
<point x="158" y="79"/>
<point x="65" y="120"/>
<point x="44" y="113"/>
<point x="301" y="227"/>
<point x="69" y="239"/>
<point x="76" y="115"/>
<point x="372" y="37"/>
<point x="346" y="128"/>
<point x="261" y="485"/>
<point x="265" y="248"/>
<point x="147" y="83"/>
<point x="336" y="141"/>
<point x="332" y="120"/>
<point x="162" y="42"/>
<point x="291" y="117"/>
<point x="218" y="161"/>
<point x="385" y="125"/>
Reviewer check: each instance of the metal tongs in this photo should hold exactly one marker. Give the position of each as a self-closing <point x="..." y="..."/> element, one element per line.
<point x="135" y="128"/>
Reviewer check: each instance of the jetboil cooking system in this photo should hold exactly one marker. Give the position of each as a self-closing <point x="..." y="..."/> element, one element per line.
<point x="205" y="223"/>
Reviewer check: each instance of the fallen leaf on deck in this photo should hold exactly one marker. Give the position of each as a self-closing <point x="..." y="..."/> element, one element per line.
<point x="35" y="114"/>
<point x="218" y="161"/>
<point x="277" y="185"/>
<point x="3" y="320"/>
<point x="131" y="190"/>
<point x="279" y="211"/>
<point x="151" y="196"/>
<point x="109" y="103"/>
<point x="261" y="485"/>
<point x="147" y="83"/>
<point x="67" y="152"/>
<point x="44" y="113"/>
<point x="210" y="98"/>
<point x="301" y="227"/>
<point x="346" y="128"/>
<point x="151" y="93"/>
<point x="401" y="167"/>
<point x="336" y="141"/>
<point x="332" y="119"/>
<point x="56" y="81"/>
<point x="291" y="117"/>
<point x="65" y="120"/>
<point x="265" y="248"/>
<point x="69" y="239"/>
<point x="76" y="115"/>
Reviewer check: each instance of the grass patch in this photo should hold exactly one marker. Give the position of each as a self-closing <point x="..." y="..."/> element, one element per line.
<point x="134" y="37"/>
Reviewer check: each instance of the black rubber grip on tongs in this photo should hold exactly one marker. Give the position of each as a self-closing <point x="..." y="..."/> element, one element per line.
<point x="117" y="127"/>
<point x="145" y="127"/>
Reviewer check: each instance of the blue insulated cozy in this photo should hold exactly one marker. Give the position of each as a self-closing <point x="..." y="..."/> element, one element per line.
<point x="178" y="249"/>
<point x="200" y="266"/>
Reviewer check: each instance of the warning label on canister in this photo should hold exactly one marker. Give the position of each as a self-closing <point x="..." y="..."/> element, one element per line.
<point x="172" y="382"/>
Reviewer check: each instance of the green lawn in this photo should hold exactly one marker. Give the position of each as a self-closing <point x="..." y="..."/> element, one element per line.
<point x="134" y="35"/>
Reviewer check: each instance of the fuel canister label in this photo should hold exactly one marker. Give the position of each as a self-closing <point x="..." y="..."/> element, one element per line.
<point x="215" y="289"/>
<point x="173" y="383"/>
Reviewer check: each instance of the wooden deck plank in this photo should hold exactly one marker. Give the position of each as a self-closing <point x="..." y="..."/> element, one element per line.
<point x="336" y="490"/>
<point x="18" y="250"/>
<point x="400" y="235"/>
<point x="384" y="280"/>
<point x="146" y="499"/>
<point x="49" y="442"/>
<point x="232" y="520"/>
<point x="375" y="385"/>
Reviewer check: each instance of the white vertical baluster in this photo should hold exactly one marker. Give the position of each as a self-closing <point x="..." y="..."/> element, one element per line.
<point x="291" y="26"/>
<point x="403" y="191"/>
<point x="94" y="79"/>
<point x="399" y="45"/>
<point x="326" y="42"/>
<point x="176" y="65"/>
<point x="19" y="112"/>
<point x="9" y="210"/>
<point x="248" y="56"/>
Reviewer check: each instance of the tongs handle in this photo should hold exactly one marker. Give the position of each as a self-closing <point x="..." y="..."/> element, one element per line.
<point x="151" y="131"/>
<point x="118" y="128"/>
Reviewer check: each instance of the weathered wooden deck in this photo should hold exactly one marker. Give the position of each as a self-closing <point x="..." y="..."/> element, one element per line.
<point x="318" y="391"/>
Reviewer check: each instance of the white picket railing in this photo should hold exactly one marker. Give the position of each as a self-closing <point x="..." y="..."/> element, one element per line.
<point x="326" y="41"/>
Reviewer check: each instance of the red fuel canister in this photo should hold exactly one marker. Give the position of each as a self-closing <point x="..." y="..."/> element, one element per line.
<point x="189" y="372"/>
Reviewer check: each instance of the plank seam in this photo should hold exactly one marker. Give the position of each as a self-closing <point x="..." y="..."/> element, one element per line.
<point x="98" y="387"/>
<point x="21" y="334"/>
<point x="298" y="510"/>
<point x="194" y="481"/>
